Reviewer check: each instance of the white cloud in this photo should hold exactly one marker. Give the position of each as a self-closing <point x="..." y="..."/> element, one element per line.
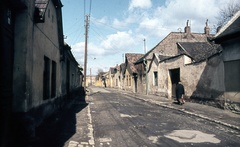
<point x="103" y="20"/>
<point x="113" y="44"/>
<point x="174" y="13"/>
<point x="93" y="50"/>
<point x="118" y="41"/>
<point x="150" y="21"/>
<point x="119" y="24"/>
<point x="143" y="4"/>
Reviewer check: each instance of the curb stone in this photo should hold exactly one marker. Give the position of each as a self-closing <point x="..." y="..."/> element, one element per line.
<point x="187" y="112"/>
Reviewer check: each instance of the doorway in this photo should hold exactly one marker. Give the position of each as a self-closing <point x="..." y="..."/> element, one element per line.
<point x="174" y="78"/>
<point x="135" y="83"/>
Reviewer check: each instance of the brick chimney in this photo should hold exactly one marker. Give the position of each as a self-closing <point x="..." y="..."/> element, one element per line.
<point x="187" y="29"/>
<point x="206" y="28"/>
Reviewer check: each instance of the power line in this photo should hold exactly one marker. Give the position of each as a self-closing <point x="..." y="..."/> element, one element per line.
<point x="106" y="25"/>
<point x="90" y="8"/>
<point x="84" y="11"/>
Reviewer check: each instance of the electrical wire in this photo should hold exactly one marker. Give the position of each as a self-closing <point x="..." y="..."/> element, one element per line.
<point x="71" y="28"/>
<point x="106" y="25"/>
<point x="84" y="9"/>
<point x="90" y="8"/>
<point x="103" y="38"/>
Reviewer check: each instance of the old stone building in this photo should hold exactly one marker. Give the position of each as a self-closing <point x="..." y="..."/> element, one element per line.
<point x="90" y="80"/>
<point x="167" y="48"/>
<point x="71" y="72"/>
<point x="116" y="76"/>
<point x="198" y="66"/>
<point x="131" y="72"/>
<point x="38" y="70"/>
<point x="111" y="74"/>
<point x="122" y="69"/>
<point x="229" y="38"/>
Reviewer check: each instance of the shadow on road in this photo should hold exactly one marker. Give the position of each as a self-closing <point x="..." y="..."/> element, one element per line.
<point x="61" y="126"/>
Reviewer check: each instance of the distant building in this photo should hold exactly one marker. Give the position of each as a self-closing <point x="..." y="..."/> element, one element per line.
<point x="100" y="79"/>
<point x="116" y="76"/>
<point x="131" y="72"/>
<point x="90" y="80"/>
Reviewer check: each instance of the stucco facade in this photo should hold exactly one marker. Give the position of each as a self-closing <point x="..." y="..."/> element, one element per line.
<point x="116" y="77"/>
<point x="42" y="71"/>
<point x="201" y="80"/>
<point x="34" y="42"/>
<point x="228" y="37"/>
<point x="130" y="74"/>
<point x="195" y="72"/>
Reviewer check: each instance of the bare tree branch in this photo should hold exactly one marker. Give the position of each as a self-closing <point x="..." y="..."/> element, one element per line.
<point x="227" y="12"/>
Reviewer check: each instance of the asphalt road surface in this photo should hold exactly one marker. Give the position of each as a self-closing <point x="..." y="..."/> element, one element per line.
<point x="119" y="120"/>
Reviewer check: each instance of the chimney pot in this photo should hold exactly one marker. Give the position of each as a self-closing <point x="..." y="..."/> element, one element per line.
<point x="187" y="29"/>
<point x="207" y="29"/>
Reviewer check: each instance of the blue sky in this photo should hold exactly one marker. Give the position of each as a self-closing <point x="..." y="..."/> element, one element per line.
<point x="119" y="26"/>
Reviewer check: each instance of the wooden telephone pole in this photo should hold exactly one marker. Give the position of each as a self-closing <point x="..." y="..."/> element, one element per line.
<point x="144" y="45"/>
<point x="85" y="53"/>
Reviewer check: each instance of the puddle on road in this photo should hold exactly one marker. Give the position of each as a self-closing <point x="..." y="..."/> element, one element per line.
<point x="105" y="139"/>
<point x="192" y="136"/>
<point x="154" y="139"/>
<point x="126" y="115"/>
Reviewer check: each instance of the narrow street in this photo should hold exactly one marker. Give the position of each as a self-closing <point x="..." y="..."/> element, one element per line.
<point x="112" y="118"/>
<point x="118" y="120"/>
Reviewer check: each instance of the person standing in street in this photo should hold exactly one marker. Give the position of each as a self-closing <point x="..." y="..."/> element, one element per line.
<point x="180" y="93"/>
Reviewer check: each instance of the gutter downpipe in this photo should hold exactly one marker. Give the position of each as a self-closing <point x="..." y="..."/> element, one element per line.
<point x="145" y="64"/>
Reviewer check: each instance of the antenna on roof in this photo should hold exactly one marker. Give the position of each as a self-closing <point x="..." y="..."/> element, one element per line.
<point x="180" y="30"/>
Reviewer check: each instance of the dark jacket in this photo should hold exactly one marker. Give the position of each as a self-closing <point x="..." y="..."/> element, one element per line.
<point x="179" y="90"/>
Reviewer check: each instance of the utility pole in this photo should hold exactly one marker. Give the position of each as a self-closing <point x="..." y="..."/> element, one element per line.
<point x="146" y="68"/>
<point x="144" y="43"/>
<point x="85" y="53"/>
<point x="91" y="76"/>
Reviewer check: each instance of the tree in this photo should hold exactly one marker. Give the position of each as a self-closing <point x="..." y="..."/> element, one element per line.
<point x="99" y="74"/>
<point x="227" y="12"/>
<point x="100" y="70"/>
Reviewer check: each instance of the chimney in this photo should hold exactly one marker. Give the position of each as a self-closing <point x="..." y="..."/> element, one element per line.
<point x="207" y="29"/>
<point x="187" y="29"/>
<point x="218" y="28"/>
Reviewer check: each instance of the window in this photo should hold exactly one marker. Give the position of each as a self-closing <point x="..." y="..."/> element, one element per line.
<point x="53" y="80"/>
<point x="155" y="78"/>
<point x="9" y="16"/>
<point x="46" y="78"/>
<point x="48" y="13"/>
<point x="232" y="75"/>
<point x="52" y="18"/>
<point x="130" y="80"/>
<point x="49" y="78"/>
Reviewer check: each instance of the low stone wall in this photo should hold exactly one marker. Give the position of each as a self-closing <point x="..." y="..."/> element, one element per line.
<point x="218" y="103"/>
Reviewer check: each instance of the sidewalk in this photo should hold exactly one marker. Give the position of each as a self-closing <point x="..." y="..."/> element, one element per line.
<point x="210" y="113"/>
